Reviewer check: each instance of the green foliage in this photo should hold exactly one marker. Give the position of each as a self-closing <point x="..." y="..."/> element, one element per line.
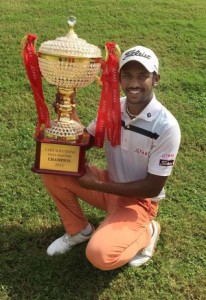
<point x="175" y="30"/>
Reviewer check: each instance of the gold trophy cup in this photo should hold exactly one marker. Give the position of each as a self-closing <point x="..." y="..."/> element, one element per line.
<point x="68" y="63"/>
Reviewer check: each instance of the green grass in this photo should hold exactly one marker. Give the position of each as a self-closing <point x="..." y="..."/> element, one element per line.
<point x="175" y="30"/>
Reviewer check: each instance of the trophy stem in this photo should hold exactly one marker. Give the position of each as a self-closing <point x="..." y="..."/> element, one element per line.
<point x="65" y="104"/>
<point x="67" y="126"/>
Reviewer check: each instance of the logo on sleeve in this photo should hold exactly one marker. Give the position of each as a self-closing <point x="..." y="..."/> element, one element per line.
<point x="166" y="163"/>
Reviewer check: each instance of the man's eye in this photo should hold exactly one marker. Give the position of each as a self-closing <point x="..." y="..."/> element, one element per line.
<point x="144" y="76"/>
<point x="127" y="75"/>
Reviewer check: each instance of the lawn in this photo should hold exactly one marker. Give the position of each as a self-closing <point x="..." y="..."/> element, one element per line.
<point x="29" y="221"/>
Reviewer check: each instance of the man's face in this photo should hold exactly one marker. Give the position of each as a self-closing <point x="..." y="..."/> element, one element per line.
<point x="137" y="83"/>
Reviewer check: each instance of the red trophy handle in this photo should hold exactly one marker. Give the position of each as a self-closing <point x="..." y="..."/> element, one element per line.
<point x="34" y="74"/>
<point x="109" y="113"/>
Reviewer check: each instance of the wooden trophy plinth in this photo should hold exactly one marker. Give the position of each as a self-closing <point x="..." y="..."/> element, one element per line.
<point x="61" y="157"/>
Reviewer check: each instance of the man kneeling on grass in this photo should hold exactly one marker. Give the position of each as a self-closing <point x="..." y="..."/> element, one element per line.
<point x="131" y="187"/>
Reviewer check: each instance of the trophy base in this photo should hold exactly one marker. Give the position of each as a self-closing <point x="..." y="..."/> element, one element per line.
<point x="61" y="157"/>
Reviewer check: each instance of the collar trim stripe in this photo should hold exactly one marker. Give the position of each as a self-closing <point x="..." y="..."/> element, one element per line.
<point x="142" y="131"/>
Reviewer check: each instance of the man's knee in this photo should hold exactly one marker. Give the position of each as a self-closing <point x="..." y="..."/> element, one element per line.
<point x="101" y="256"/>
<point x="97" y="258"/>
<point x="48" y="179"/>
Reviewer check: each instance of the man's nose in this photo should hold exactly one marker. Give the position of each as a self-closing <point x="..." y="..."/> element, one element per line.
<point x="135" y="82"/>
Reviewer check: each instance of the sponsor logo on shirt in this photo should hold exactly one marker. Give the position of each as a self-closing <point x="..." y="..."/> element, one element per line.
<point x="166" y="163"/>
<point x="168" y="155"/>
<point x="142" y="152"/>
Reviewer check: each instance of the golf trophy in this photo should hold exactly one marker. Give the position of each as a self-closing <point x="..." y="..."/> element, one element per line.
<point x="68" y="63"/>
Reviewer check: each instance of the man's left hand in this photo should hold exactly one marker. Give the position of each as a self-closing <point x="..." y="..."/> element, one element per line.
<point x="88" y="180"/>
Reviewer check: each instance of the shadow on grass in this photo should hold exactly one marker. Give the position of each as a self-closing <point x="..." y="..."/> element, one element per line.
<point x="28" y="273"/>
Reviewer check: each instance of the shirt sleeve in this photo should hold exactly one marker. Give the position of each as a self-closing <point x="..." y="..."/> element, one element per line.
<point x="164" y="151"/>
<point x="91" y="128"/>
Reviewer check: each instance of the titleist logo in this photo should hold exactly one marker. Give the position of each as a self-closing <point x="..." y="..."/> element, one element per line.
<point x="136" y="53"/>
<point x="166" y="163"/>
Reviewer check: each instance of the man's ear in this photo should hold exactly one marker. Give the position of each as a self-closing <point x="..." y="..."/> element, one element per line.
<point x="156" y="79"/>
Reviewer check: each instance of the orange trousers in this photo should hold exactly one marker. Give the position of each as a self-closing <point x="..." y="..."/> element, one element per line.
<point x="123" y="232"/>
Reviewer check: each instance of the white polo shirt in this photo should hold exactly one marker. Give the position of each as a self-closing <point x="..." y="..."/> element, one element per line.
<point x="149" y="144"/>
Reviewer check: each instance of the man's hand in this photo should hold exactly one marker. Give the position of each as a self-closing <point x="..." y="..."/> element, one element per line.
<point x="145" y="188"/>
<point x="88" y="180"/>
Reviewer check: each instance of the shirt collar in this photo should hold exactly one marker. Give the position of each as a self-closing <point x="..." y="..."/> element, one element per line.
<point x="148" y="113"/>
